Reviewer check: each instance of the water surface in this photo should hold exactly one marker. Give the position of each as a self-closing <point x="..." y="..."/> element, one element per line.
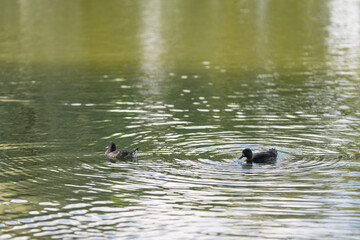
<point x="191" y="84"/>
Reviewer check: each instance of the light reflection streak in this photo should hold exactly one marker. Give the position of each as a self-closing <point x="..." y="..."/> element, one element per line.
<point x="344" y="34"/>
<point x="152" y="43"/>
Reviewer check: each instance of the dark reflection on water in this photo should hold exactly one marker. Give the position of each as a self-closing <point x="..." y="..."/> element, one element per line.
<point x="191" y="106"/>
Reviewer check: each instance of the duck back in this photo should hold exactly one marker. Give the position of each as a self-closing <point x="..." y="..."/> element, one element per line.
<point x="113" y="154"/>
<point x="267" y="156"/>
<point x="122" y="153"/>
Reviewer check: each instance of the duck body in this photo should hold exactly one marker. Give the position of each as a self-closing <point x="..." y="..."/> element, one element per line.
<point x="113" y="154"/>
<point x="261" y="157"/>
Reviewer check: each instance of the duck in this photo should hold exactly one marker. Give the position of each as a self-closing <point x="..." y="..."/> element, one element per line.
<point x="261" y="157"/>
<point x="113" y="154"/>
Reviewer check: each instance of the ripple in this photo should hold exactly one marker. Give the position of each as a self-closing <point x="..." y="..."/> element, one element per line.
<point x="187" y="182"/>
<point x="76" y="205"/>
<point x="127" y="111"/>
<point x="18" y="201"/>
<point x="199" y="127"/>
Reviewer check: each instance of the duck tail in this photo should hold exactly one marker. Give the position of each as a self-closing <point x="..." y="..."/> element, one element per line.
<point x="273" y="151"/>
<point x="133" y="153"/>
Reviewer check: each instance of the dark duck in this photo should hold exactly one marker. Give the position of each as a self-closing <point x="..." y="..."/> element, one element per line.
<point x="113" y="154"/>
<point x="261" y="157"/>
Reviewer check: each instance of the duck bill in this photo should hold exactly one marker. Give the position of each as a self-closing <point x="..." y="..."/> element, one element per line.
<point x="241" y="156"/>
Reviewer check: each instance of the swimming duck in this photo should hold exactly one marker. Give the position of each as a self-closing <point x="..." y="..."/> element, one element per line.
<point x="113" y="154"/>
<point x="260" y="157"/>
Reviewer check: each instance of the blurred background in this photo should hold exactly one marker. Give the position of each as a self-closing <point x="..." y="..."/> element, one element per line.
<point x="191" y="83"/>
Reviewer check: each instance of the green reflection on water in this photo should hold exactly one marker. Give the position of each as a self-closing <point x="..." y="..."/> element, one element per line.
<point x="247" y="35"/>
<point x="191" y="83"/>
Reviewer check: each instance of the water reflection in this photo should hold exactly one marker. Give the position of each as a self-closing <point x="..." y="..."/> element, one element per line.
<point x="151" y="38"/>
<point x="191" y="84"/>
<point x="344" y="35"/>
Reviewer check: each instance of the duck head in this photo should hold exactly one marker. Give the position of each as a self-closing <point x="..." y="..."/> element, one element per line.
<point x="248" y="154"/>
<point x="111" y="147"/>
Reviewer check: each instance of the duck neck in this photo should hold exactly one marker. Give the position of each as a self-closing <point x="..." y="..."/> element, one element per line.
<point x="110" y="148"/>
<point x="250" y="157"/>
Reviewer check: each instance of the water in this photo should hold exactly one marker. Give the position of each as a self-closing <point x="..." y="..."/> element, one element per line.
<point x="191" y="84"/>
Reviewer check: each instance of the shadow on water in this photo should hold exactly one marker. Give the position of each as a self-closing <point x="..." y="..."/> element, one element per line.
<point x="132" y="160"/>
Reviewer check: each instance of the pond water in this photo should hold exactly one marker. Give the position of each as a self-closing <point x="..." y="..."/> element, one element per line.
<point x="191" y="84"/>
